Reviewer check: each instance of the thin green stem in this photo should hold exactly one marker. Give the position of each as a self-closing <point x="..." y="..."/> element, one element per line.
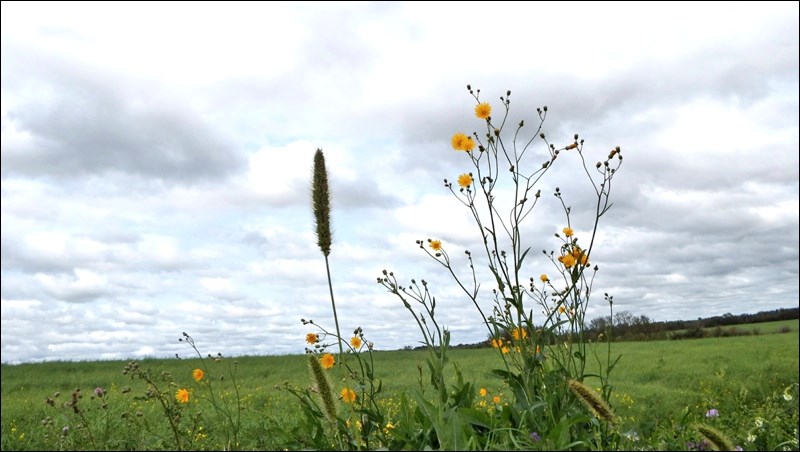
<point x="333" y="305"/>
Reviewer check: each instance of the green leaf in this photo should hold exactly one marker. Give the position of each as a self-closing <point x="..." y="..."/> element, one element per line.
<point x="522" y="258"/>
<point x="500" y="286"/>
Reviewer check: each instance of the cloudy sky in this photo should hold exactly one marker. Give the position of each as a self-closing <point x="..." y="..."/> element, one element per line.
<point x="156" y="163"/>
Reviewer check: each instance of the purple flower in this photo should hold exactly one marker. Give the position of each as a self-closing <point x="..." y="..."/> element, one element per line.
<point x="99" y="392"/>
<point x="699" y="445"/>
<point x="712" y="413"/>
<point x="535" y="437"/>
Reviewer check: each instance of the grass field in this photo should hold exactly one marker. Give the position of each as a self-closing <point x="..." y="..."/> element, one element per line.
<point x="655" y="382"/>
<point x="778" y="326"/>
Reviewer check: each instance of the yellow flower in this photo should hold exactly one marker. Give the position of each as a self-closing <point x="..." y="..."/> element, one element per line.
<point x="483" y="392"/>
<point x="519" y="333"/>
<point x="348" y="395"/>
<point x="182" y="396"/>
<point x="468" y="144"/>
<point x="198" y="374"/>
<point x="458" y="141"/>
<point x="567" y="260"/>
<point x="504" y="350"/>
<point x="496" y="343"/>
<point x="544" y="278"/>
<point x="496" y="400"/>
<point x="538" y="350"/>
<point x="561" y="309"/>
<point x="465" y="180"/>
<point x="436" y="245"/>
<point x="355" y="341"/>
<point x="483" y="110"/>
<point x="327" y="360"/>
<point x="312" y="338"/>
<point x="567" y="232"/>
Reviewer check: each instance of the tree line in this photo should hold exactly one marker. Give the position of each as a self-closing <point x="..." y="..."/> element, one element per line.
<point x="627" y="326"/>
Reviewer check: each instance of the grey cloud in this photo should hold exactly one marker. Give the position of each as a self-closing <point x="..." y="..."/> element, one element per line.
<point x="100" y="123"/>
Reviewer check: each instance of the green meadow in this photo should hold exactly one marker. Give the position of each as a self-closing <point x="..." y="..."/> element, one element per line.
<point x="657" y="386"/>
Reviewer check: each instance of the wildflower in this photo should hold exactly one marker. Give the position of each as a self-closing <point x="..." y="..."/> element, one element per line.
<point x="712" y="413"/>
<point x="458" y="141"/>
<point x="465" y="180"/>
<point x="535" y="437"/>
<point x="538" y="350"/>
<point x="436" y="245"/>
<point x="496" y="400"/>
<point x="198" y="374"/>
<point x="99" y="392"/>
<point x="544" y="278"/>
<point x="759" y="422"/>
<point x="483" y="110"/>
<point x="182" y="396"/>
<point x="561" y="309"/>
<point x="567" y="231"/>
<point x="519" y="333"/>
<point x="750" y="438"/>
<point x="567" y="260"/>
<point x="483" y="392"/>
<point x="698" y="445"/>
<point x="348" y="395"/>
<point x="389" y="426"/>
<point x="571" y="146"/>
<point x="469" y="144"/>
<point x="355" y="341"/>
<point x="312" y="338"/>
<point x="580" y="256"/>
<point x="497" y="343"/>
<point x="327" y="360"/>
<point x="504" y="349"/>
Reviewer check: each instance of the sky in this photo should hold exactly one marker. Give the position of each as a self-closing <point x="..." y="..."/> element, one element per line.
<point x="156" y="164"/>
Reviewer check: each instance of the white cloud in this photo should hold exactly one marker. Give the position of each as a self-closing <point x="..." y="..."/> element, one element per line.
<point x="160" y="183"/>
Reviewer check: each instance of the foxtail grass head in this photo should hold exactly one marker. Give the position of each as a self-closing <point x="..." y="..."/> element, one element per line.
<point x="592" y="401"/>
<point x="717" y="440"/>
<point x="321" y="200"/>
<point x="323" y="386"/>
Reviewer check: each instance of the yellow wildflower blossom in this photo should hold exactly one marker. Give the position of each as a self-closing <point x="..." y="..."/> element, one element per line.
<point x="483" y="110"/>
<point x="348" y="395"/>
<point x="182" y="396"/>
<point x="465" y="180"/>
<point x="327" y="360"/>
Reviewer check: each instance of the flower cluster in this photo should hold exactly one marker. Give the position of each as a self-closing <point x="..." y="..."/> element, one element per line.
<point x="462" y="142"/>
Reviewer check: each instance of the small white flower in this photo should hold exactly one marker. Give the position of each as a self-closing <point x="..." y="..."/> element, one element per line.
<point x="787" y="396"/>
<point x="751" y="438"/>
<point x="759" y="422"/>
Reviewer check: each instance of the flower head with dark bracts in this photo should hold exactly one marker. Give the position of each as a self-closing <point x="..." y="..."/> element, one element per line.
<point x="182" y="396"/>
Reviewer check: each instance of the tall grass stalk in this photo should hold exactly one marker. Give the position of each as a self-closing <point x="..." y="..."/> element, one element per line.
<point x="321" y="201"/>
